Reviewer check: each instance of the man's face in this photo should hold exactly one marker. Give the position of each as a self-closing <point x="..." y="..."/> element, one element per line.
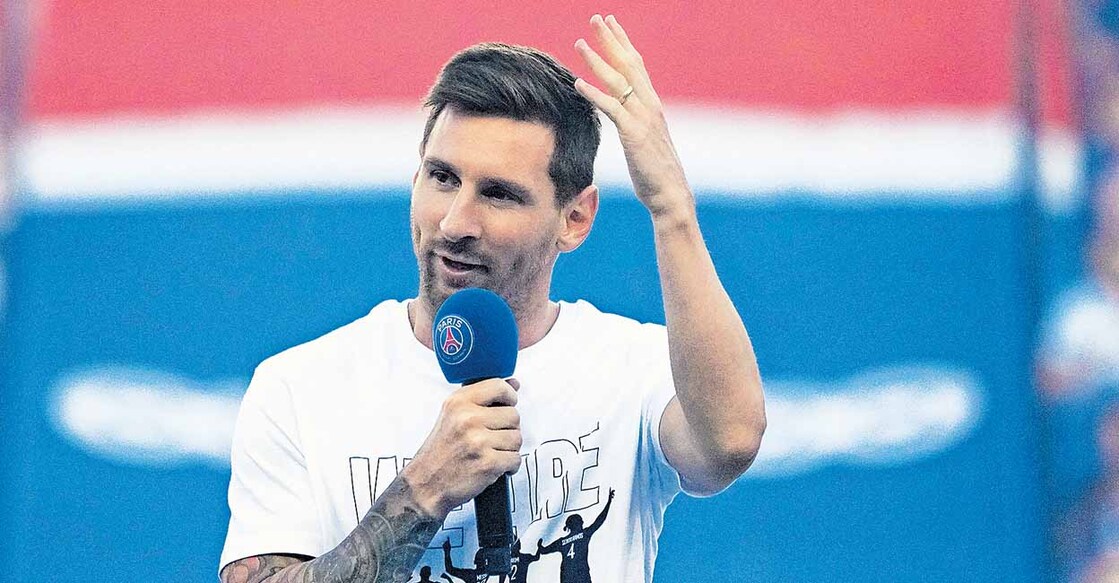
<point x="483" y="209"/>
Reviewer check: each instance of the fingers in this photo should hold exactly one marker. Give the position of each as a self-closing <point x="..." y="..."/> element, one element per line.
<point x="508" y="462"/>
<point x="491" y="392"/>
<point x="491" y="436"/>
<point x="490" y="404"/>
<point x="608" y="104"/>
<point x="507" y="440"/>
<point x="614" y="80"/>
<point x="620" y="35"/>
<point x="616" y="54"/>
<point x="619" y="53"/>
<point x="501" y="418"/>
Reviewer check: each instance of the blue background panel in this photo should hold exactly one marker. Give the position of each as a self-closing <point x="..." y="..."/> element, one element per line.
<point x="205" y="291"/>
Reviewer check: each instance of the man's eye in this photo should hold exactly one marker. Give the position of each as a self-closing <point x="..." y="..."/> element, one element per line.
<point x="500" y="194"/>
<point x="441" y="176"/>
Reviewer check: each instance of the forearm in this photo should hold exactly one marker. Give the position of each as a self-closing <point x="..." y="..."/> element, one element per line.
<point x="464" y="574"/>
<point x="713" y="365"/>
<point x="388" y="541"/>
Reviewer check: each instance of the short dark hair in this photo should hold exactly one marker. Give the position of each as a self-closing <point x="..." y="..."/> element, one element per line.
<point x="525" y="84"/>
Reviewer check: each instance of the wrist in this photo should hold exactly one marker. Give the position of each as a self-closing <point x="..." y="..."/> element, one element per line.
<point x="424" y="493"/>
<point x="672" y="208"/>
<point x="678" y="220"/>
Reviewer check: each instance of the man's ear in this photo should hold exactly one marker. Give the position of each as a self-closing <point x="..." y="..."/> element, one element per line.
<point x="578" y="216"/>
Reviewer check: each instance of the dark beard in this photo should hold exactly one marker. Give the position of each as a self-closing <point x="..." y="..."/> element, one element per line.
<point x="514" y="290"/>
<point x="464" y="249"/>
<point x="428" y="294"/>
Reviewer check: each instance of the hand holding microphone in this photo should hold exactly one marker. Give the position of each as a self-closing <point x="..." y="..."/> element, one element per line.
<point x="477" y="438"/>
<point x="475" y="441"/>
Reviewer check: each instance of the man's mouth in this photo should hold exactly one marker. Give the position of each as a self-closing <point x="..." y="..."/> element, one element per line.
<point x="460" y="266"/>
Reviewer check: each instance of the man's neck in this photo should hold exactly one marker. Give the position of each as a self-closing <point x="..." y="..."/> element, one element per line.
<point x="532" y="323"/>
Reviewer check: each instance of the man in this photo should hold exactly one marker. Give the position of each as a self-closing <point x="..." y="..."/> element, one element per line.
<point x="353" y="458"/>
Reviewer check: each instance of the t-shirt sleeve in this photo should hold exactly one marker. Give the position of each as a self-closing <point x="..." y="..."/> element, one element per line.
<point x="270" y="499"/>
<point x="657" y="392"/>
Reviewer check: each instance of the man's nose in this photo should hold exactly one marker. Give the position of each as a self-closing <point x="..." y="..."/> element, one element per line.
<point x="461" y="220"/>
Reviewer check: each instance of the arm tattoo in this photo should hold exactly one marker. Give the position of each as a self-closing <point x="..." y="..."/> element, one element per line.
<point x="385" y="546"/>
<point x="257" y="569"/>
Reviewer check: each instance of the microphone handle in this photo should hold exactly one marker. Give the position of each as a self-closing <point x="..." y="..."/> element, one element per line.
<point x="495" y="527"/>
<point x="494" y="517"/>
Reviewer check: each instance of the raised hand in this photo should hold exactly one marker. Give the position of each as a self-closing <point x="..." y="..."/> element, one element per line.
<point x="625" y="94"/>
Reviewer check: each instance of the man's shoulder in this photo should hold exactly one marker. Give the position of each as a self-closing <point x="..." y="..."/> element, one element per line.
<point x="341" y="344"/>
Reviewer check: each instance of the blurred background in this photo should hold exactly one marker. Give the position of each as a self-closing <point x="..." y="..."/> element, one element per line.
<point x="914" y="205"/>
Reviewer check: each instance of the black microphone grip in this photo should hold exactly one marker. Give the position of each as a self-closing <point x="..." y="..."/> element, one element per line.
<point x="494" y="516"/>
<point x="495" y="528"/>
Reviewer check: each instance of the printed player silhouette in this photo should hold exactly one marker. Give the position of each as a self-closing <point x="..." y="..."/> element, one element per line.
<point x="475" y="575"/>
<point x="425" y="575"/>
<point x="521" y="562"/>
<point x="573" y="566"/>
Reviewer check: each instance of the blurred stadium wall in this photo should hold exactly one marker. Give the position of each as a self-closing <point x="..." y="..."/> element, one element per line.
<point x="202" y="184"/>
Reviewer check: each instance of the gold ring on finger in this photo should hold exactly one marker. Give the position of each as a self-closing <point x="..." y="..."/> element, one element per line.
<point x="625" y="95"/>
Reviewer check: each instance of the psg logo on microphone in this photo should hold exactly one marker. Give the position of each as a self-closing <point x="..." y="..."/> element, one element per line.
<point x="453" y="339"/>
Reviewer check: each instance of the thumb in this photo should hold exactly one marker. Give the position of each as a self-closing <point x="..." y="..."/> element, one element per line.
<point x="514" y="383"/>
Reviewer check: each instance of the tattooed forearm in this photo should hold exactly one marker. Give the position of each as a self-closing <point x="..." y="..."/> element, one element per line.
<point x="257" y="569"/>
<point x="385" y="546"/>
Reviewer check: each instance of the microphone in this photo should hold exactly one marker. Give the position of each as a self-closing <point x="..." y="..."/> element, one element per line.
<point x="475" y="338"/>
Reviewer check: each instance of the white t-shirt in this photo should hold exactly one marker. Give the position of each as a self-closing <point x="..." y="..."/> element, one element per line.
<point x="326" y="426"/>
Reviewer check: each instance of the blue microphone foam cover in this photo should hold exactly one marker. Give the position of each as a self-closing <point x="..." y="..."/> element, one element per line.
<point x="475" y="336"/>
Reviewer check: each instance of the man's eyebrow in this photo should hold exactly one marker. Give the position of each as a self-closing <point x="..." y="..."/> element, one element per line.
<point x="440" y="164"/>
